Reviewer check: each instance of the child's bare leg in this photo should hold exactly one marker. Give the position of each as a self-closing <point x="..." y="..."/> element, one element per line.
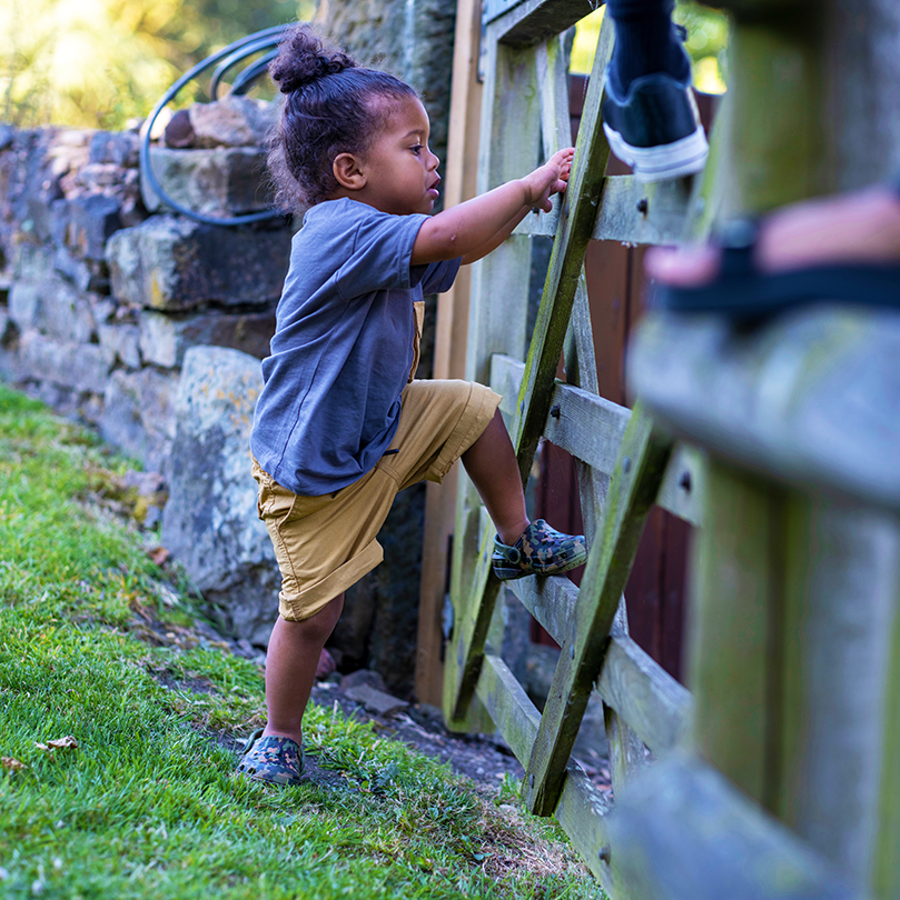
<point x="491" y="464"/>
<point x="291" y="662"/>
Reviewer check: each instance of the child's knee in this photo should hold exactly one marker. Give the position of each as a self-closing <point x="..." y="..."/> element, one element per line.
<point x="319" y="625"/>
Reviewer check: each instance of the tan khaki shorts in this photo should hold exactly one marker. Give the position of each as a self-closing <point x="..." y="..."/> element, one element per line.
<point x="326" y="544"/>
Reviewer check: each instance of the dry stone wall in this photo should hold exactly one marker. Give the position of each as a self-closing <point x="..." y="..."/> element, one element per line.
<point x="100" y="300"/>
<point x="107" y="296"/>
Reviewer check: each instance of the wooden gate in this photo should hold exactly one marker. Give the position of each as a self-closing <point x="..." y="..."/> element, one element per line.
<point x="681" y="829"/>
<point x="622" y="461"/>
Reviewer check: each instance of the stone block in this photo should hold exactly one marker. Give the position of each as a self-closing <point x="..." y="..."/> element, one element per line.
<point x="54" y="307"/>
<point x="86" y="276"/>
<point x="24" y="299"/>
<point x="220" y="182"/>
<point x="8" y="330"/>
<point x="210" y="523"/>
<point x="139" y="414"/>
<point x="123" y="340"/>
<point x="31" y="261"/>
<point x="376" y="701"/>
<point x="81" y="367"/>
<point x="233" y="121"/>
<point x="164" y="339"/>
<point x="115" y="147"/>
<point x="174" y="264"/>
<point x="93" y="218"/>
<point x="34" y="180"/>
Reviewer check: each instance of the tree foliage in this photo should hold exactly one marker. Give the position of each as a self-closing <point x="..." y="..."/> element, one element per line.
<point x="100" y="63"/>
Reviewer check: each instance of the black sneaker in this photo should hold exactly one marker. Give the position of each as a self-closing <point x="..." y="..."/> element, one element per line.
<point x="655" y="128"/>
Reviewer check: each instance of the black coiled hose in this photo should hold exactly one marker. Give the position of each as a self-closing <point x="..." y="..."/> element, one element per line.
<point x="228" y="58"/>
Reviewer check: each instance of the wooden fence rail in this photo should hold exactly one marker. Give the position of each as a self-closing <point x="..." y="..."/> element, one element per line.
<point x="740" y="752"/>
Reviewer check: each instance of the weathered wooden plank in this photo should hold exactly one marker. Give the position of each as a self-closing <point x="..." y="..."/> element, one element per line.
<point x="627" y="754"/>
<point x="581" y="371"/>
<point x="653" y="703"/>
<point x="579" y="210"/>
<point x="591" y="429"/>
<point x="553" y="82"/>
<point x="583" y="812"/>
<point x="841" y="584"/>
<point x="579" y="358"/>
<point x="634" y="488"/>
<point x="736" y="565"/>
<point x="643" y="213"/>
<point x="622" y="216"/>
<point x="533" y="21"/>
<point x="509" y="146"/>
<point x="886" y="862"/>
<point x="777" y="146"/>
<point x="550" y="600"/>
<point x="582" y="809"/>
<point x="682" y="832"/>
<point x="450" y="340"/>
<point x="656" y="706"/>
<point x="508" y="705"/>
<point x="812" y="398"/>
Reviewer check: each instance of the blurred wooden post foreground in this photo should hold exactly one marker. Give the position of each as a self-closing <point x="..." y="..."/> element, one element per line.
<point x="794" y="648"/>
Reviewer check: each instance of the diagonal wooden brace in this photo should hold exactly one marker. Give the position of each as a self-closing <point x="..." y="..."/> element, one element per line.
<point x="580" y="204"/>
<point x="638" y="475"/>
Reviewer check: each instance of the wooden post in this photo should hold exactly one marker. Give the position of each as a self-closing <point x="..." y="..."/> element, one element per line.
<point x="793" y="649"/>
<point x="509" y="146"/>
<point x="451" y="328"/>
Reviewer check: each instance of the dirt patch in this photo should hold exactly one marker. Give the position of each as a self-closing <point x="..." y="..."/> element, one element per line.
<point x="483" y="758"/>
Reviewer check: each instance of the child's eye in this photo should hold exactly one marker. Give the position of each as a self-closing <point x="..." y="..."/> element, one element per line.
<point x="417" y="149"/>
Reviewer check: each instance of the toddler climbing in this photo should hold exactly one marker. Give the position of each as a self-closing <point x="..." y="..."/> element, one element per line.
<point x="341" y="425"/>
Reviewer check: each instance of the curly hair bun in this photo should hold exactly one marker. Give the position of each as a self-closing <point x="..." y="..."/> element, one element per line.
<point x="303" y="58"/>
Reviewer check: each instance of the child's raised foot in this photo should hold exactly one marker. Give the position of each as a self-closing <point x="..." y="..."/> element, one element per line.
<point x="541" y="550"/>
<point x="278" y="760"/>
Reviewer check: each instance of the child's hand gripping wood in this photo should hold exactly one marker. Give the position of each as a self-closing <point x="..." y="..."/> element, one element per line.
<point x="474" y="228"/>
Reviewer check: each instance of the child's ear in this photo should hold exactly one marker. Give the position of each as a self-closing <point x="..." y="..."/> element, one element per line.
<point x="348" y="172"/>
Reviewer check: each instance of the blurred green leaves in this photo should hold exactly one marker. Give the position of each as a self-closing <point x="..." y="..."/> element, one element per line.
<point x="100" y="63"/>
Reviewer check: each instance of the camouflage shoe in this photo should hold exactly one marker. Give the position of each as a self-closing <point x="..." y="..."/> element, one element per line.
<point x="541" y="550"/>
<point x="274" y="759"/>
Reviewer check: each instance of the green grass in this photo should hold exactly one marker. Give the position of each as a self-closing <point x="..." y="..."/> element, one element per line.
<point x="147" y="805"/>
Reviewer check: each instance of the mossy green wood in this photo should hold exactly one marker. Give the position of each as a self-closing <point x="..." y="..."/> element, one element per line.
<point x="576" y="221"/>
<point x="735" y="566"/>
<point x="582" y="809"/>
<point x="509" y="147"/>
<point x="839" y="610"/>
<point x="635" y="485"/>
<point x="773" y="154"/>
<point x="579" y="211"/>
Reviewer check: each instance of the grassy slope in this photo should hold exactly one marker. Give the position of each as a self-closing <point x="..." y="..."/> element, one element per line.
<point x="147" y="805"/>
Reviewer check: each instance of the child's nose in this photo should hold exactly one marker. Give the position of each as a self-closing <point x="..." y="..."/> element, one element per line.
<point x="433" y="161"/>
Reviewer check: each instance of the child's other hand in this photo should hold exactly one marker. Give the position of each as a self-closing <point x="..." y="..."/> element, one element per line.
<point x="551" y="178"/>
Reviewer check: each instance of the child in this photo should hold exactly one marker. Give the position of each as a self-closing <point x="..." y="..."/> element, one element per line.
<point x="340" y="425"/>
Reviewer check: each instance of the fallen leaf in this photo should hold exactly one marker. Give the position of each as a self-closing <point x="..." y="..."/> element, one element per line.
<point x="41" y="746"/>
<point x="66" y="743"/>
<point x="158" y="554"/>
<point x="12" y="765"/>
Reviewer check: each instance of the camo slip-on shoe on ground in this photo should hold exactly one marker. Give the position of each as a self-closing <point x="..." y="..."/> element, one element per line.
<point x="541" y="550"/>
<point x="277" y="760"/>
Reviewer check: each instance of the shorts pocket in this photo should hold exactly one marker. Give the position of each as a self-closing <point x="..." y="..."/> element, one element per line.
<point x="274" y="501"/>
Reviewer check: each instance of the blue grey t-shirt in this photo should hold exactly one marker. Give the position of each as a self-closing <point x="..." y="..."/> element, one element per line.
<point x="343" y="346"/>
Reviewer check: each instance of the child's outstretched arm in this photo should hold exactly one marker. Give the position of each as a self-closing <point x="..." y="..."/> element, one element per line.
<point x="474" y="228"/>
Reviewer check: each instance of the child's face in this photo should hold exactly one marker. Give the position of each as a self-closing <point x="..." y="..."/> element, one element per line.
<point x="400" y="171"/>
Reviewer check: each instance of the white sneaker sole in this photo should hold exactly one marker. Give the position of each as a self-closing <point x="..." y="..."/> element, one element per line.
<point x="686" y="156"/>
